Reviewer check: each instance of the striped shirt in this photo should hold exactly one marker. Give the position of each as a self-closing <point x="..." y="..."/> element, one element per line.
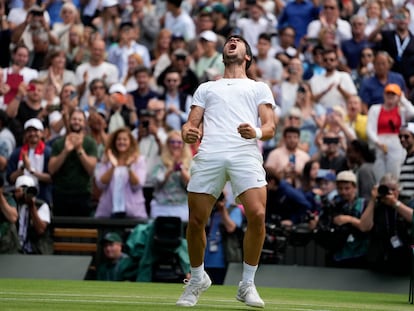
<point x="407" y="178"/>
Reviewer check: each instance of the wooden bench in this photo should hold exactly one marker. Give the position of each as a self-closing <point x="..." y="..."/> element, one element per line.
<point x="75" y="240"/>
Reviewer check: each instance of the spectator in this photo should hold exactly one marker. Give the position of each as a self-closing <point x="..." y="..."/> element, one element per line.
<point x="361" y="161"/>
<point x="116" y="265"/>
<point x="25" y="105"/>
<point x="98" y="95"/>
<point x="210" y="65"/>
<point x="158" y="107"/>
<point x="36" y="20"/>
<point x="406" y="180"/>
<point x="222" y="26"/>
<point x="118" y="52"/>
<point x="134" y="61"/>
<point x="8" y="218"/>
<point x="34" y="218"/>
<point x="76" y="51"/>
<point x="384" y="123"/>
<point x="61" y="29"/>
<point x="299" y="13"/>
<point x="31" y="159"/>
<point x="97" y="67"/>
<point x="334" y="87"/>
<point x="353" y="47"/>
<point x="285" y="50"/>
<point x="365" y="67"/>
<point x="97" y="124"/>
<point x="171" y="175"/>
<point x="376" y="12"/>
<point x="123" y="112"/>
<point x="7" y="140"/>
<point x="330" y="155"/>
<point x="348" y="211"/>
<point x="147" y="22"/>
<point x="71" y="165"/>
<point x="121" y="176"/>
<point x="271" y="69"/>
<point x="180" y="61"/>
<point x="224" y="220"/>
<point x="389" y="249"/>
<point x="288" y="160"/>
<point x="354" y="117"/>
<point x="150" y="146"/>
<point x="372" y="88"/>
<point x="144" y="92"/>
<point x="18" y="72"/>
<point x="18" y="15"/>
<point x="401" y="51"/>
<point x="177" y="103"/>
<point x="326" y="181"/>
<point x="107" y="21"/>
<point x="55" y="70"/>
<point x="160" y="54"/>
<point x="204" y="20"/>
<point x="329" y="18"/>
<point x="178" y="21"/>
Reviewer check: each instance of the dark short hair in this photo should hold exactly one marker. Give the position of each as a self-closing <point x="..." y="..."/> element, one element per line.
<point x="265" y="36"/>
<point x="291" y="129"/>
<point x="142" y="68"/>
<point x="176" y="3"/>
<point x="248" y="49"/>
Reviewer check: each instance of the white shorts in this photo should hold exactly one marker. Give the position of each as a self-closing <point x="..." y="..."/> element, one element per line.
<point x="210" y="172"/>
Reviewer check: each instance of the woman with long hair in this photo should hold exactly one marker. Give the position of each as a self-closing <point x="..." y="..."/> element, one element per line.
<point x="121" y="175"/>
<point x="134" y="61"/>
<point x="171" y="176"/>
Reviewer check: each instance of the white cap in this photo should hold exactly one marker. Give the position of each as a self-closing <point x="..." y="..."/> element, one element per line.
<point x="410" y="127"/>
<point x="24" y="180"/>
<point x="34" y="122"/>
<point x="209" y="36"/>
<point x="108" y="3"/>
<point x="117" y="88"/>
<point x="347" y="176"/>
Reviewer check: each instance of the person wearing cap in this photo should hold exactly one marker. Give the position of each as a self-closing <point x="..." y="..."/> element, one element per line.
<point x="347" y="211"/>
<point x="211" y="59"/>
<point x="123" y="111"/>
<point x="326" y="181"/>
<point x="95" y="68"/>
<point x="34" y="218"/>
<point x="72" y="165"/>
<point x="220" y="15"/>
<point x="228" y="110"/>
<point x="384" y="123"/>
<point x="180" y="61"/>
<point x="126" y="45"/>
<point x="406" y="179"/>
<point x="117" y="264"/>
<point x="178" y="21"/>
<point x="31" y="159"/>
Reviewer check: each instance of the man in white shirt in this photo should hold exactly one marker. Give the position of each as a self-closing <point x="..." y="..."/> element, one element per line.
<point x="97" y="67"/>
<point x="333" y="87"/>
<point x="178" y="21"/>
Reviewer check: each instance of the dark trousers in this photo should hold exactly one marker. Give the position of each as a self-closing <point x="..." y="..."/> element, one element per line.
<point x="79" y="205"/>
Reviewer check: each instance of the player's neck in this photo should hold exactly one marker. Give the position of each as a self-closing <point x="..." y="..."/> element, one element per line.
<point x="234" y="72"/>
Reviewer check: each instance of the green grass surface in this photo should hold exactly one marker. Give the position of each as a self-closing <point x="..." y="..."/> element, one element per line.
<point x="45" y="295"/>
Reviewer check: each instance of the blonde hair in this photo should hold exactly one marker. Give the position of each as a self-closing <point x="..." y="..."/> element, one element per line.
<point x="166" y="156"/>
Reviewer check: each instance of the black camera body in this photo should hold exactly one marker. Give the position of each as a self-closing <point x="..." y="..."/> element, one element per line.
<point x="383" y="190"/>
<point x="29" y="192"/>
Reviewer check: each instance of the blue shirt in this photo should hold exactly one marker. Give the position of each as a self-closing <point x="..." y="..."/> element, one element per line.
<point x="372" y="90"/>
<point x="298" y="14"/>
<point x="352" y="51"/>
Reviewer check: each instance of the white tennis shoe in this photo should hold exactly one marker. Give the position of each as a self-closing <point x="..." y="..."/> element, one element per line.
<point x="192" y="291"/>
<point x="248" y="294"/>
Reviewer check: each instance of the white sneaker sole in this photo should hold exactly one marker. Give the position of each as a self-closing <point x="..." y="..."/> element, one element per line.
<point x="185" y="303"/>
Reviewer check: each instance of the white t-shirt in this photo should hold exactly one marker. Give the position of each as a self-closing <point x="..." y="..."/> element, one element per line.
<point x="320" y="83"/>
<point x="105" y="70"/>
<point x="181" y="25"/>
<point x="227" y="104"/>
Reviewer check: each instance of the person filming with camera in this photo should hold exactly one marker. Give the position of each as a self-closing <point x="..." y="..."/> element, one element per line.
<point x="34" y="218"/>
<point x="390" y="219"/>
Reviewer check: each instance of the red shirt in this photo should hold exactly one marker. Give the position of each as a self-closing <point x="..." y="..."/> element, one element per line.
<point x="389" y="121"/>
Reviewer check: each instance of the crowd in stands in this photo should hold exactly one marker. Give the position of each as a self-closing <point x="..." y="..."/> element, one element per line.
<point x="93" y="95"/>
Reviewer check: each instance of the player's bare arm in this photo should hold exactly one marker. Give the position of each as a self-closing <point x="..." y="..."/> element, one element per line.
<point x="267" y="119"/>
<point x="191" y="131"/>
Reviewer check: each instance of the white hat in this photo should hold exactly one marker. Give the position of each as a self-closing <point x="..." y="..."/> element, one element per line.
<point x="347" y="176"/>
<point x="117" y="88"/>
<point x="108" y="3"/>
<point x="409" y="127"/>
<point x="209" y="36"/>
<point x="36" y="123"/>
<point x="24" y="180"/>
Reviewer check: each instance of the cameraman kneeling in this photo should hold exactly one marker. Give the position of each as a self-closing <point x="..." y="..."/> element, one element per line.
<point x="389" y="247"/>
<point x="34" y="218"/>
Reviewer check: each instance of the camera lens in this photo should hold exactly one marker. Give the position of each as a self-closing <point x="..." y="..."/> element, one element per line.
<point x="383" y="190"/>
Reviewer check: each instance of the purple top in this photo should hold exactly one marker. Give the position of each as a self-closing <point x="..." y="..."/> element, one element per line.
<point x="134" y="197"/>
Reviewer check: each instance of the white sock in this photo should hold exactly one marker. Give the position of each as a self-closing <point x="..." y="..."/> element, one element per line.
<point x="197" y="273"/>
<point x="248" y="273"/>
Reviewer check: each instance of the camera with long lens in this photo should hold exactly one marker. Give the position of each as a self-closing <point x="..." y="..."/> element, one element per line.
<point x="383" y="190"/>
<point x="29" y="192"/>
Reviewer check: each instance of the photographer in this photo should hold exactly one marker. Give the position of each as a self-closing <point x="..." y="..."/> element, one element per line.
<point x="390" y="219"/>
<point x="347" y="211"/>
<point x="34" y="218"/>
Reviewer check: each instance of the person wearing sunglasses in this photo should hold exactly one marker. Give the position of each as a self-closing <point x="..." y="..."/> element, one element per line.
<point x="406" y="179"/>
<point x="384" y="123"/>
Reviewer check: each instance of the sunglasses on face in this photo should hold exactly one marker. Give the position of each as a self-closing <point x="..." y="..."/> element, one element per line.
<point x="175" y="142"/>
<point x="404" y="136"/>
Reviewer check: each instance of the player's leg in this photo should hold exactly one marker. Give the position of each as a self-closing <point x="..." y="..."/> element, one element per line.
<point x="254" y="202"/>
<point x="200" y="206"/>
